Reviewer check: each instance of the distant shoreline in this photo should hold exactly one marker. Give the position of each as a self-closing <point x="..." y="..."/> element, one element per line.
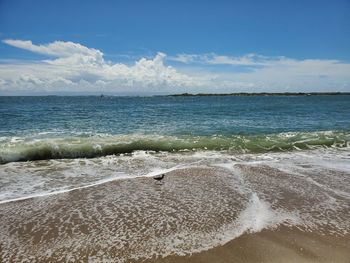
<point x="260" y="94"/>
<point x="235" y="94"/>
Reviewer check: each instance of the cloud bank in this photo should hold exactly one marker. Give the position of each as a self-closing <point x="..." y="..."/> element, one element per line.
<point x="72" y="67"/>
<point x="76" y="68"/>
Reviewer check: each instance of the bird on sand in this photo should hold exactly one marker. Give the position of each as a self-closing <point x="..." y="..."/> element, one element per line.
<point x="159" y="178"/>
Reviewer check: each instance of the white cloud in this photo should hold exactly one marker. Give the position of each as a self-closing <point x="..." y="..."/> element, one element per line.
<point x="57" y="48"/>
<point x="214" y="59"/>
<point x="253" y="72"/>
<point x="78" y="68"/>
<point x="72" y="67"/>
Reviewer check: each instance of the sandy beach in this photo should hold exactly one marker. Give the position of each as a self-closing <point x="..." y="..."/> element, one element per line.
<point x="194" y="215"/>
<point x="278" y="245"/>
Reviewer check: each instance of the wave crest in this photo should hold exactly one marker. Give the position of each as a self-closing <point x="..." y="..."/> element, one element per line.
<point x="27" y="149"/>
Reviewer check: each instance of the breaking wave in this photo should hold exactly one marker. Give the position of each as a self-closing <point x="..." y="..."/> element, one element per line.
<point x="14" y="149"/>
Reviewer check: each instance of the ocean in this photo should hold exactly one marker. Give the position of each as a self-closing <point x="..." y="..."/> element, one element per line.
<point x="75" y="175"/>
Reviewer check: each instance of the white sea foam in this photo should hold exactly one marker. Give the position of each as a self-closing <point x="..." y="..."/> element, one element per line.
<point x="37" y="178"/>
<point x="44" y="178"/>
<point x="59" y="191"/>
<point x="256" y="186"/>
<point x="259" y="215"/>
<point x="256" y="216"/>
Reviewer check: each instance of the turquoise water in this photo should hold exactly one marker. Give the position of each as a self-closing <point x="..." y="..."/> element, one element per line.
<point x="71" y="127"/>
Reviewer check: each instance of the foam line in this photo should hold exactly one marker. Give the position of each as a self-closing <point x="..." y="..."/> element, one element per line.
<point x="153" y="173"/>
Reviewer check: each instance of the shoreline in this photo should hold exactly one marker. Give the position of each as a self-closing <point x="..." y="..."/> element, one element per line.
<point x="278" y="245"/>
<point x="107" y="95"/>
<point x="263" y="94"/>
<point x="196" y="215"/>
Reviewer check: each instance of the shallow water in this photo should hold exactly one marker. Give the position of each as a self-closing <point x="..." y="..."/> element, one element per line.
<point x="215" y="199"/>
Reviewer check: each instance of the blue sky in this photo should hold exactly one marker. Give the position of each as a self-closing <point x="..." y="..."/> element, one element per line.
<point x="232" y="45"/>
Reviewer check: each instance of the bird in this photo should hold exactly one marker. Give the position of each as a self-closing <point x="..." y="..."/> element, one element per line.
<point x="159" y="177"/>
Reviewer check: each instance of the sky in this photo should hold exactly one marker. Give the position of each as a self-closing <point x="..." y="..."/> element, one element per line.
<point x="165" y="47"/>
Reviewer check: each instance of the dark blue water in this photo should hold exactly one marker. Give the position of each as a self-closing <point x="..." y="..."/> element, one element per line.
<point x="21" y="116"/>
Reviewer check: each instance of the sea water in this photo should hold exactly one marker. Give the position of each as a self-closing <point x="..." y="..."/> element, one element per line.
<point x="243" y="164"/>
<point x="54" y="143"/>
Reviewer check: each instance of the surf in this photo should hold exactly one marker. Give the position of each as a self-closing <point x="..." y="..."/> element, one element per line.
<point x="16" y="149"/>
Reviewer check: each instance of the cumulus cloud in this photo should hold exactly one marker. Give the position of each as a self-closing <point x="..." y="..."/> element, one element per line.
<point x="75" y="67"/>
<point x="72" y="67"/>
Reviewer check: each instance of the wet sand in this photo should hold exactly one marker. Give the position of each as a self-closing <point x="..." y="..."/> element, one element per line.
<point x="279" y="245"/>
<point x="193" y="216"/>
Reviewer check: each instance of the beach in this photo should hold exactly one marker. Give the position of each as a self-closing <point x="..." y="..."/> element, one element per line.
<point x="279" y="245"/>
<point x="227" y="212"/>
<point x="246" y="179"/>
